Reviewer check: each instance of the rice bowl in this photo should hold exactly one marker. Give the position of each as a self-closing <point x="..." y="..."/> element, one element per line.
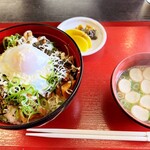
<point x="37" y="80"/>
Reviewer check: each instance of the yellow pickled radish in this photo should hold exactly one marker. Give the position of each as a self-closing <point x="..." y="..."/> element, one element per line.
<point x="73" y="32"/>
<point x="81" y="42"/>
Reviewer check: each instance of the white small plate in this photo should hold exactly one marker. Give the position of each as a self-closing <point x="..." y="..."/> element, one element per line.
<point x="100" y="31"/>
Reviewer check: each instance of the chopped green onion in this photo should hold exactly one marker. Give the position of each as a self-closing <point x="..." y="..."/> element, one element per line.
<point x="14" y="89"/>
<point x="126" y="104"/>
<point x="22" y="99"/>
<point x="136" y="86"/>
<point x="43" y="102"/>
<point x="11" y="41"/>
<point x="30" y="90"/>
<point x="15" y="81"/>
<point x="27" y="110"/>
<point x="52" y="80"/>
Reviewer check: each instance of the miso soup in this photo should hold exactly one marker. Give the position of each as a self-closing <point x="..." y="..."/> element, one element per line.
<point x="133" y="90"/>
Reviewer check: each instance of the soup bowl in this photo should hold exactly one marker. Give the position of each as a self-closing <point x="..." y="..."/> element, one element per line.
<point x="130" y="85"/>
<point x="63" y="43"/>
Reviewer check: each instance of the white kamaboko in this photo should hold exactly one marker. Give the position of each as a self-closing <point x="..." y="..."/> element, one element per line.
<point x="134" y="88"/>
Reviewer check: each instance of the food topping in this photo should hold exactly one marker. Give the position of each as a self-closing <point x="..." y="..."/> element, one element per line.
<point x="35" y="78"/>
<point x="134" y="91"/>
<point x="90" y="31"/>
<point x="81" y="39"/>
<point x="83" y="36"/>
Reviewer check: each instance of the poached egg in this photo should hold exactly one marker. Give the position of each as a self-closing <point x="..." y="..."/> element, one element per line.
<point x="27" y="63"/>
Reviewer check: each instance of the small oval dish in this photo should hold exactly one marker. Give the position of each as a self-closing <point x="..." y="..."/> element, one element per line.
<point x="101" y="35"/>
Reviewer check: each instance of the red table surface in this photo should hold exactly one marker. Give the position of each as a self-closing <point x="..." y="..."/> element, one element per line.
<point x="94" y="106"/>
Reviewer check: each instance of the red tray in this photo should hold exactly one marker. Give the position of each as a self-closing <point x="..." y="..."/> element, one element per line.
<point x="94" y="106"/>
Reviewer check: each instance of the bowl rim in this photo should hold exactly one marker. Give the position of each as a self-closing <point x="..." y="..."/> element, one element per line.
<point x="114" y="95"/>
<point x="55" y="113"/>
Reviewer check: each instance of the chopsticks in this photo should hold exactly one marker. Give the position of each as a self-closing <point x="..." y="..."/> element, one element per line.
<point x="89" y="134"/>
